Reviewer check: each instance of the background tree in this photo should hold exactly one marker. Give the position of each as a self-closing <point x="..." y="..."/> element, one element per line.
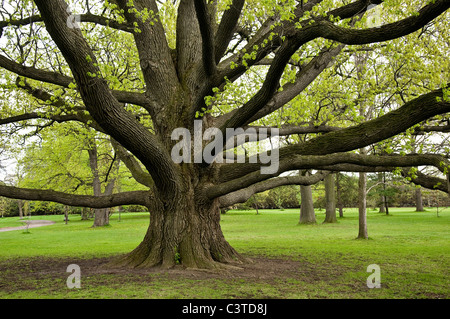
<point x="330" y="194"/>
<point x="419" y="200"/>
<point x="307" y="214"/>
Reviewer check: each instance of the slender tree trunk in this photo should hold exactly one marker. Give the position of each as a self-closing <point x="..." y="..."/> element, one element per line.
<point x="66" y="214"/>
<point x="20" y="204"/>
<point x="330" y="197"/>
<point x="386" y="204"/>
<point x="362" y="234"/>
<point x="101" y="216"/>
<point x="307" y="215"/>
<point x="382" y="208"/>
<point x="419" y="200"/>
<point x="340" y="204"/>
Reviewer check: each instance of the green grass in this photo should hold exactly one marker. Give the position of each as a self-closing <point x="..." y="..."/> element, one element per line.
<point x="76" y="239"/>
<point x="411" y="248"/>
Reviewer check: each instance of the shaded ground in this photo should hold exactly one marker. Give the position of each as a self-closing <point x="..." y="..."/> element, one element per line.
<point x="260" y="268"/>
<point x="29" y="224"/>
<point x="280" y="278"/>
<point x="28" y="274"/>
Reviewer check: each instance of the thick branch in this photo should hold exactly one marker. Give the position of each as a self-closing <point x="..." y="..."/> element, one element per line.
<point x="79" y="117"/>
<point x="227" y="28"/>
<point x="126" y="198"/>
<point x="64" y="81"/>
<point x="155" y="56"/>
<point x="243" y="195"/>
<point x="296" y="162"/>
<point x="386" y="32"/>
<point x="355" y="137"/>
<point x="427" y="129"/>
<point x="430" y="182"/>
<point x="133" y="165"/>
<point x="274" y="30"/>
<point x="87" y="17"/>
<point x="294" y="129"/>
<point x="208" y="54"/>
<point x="370" y="132"/>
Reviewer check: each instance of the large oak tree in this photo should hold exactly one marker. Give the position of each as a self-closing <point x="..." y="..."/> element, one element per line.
<point x="187" y="58"/>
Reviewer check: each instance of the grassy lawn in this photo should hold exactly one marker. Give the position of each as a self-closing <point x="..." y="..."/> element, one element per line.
<point x="290" y="260"/>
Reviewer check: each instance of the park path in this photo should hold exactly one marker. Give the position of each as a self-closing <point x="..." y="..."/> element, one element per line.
<point x="31" y="224"/>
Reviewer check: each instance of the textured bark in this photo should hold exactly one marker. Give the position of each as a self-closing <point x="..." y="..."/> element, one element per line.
<point x="184" y="230"/>
<point x="307" y="214"/>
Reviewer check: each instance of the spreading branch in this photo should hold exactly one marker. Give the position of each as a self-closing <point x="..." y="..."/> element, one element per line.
<point x="87" y="17"/>
<point x="125" y="198"/>
<point x="204" y="22"/>
<point x="227" y="28"/>
<point x="296" y="162"/>
<point x="65" y="81"/>
<point x="430" y="182"/>
<point x="243" y="195"/>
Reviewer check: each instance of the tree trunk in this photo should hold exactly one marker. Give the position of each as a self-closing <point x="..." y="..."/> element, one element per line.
<point x="382" y="205"/>
<point x="330" y="197"/>
<point x="66" y="214"/>
<point x="307" y="215"/>
<point x="101" y="217"/>
<point x="362" y="234"/>
<point x="382" y="197"/>
<point x="20" y="204"/>
<point x="84" y="213"/>
<point x="183" y="231"/>
<point x="339" y="195"/>
<point x="386" y="205"/>
<point x="419" y="200"/>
